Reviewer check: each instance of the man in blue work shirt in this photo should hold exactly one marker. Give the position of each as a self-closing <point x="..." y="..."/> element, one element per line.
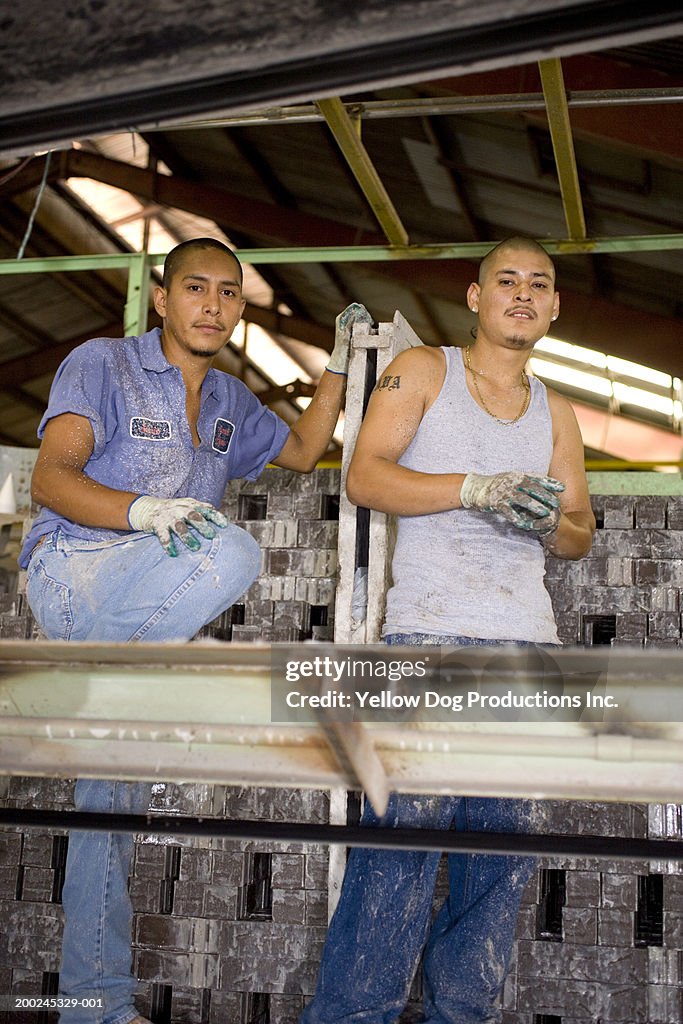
<point x="139" y="440"/>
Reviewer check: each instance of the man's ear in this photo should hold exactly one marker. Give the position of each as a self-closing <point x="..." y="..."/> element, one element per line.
<point x="473" y="296"/>
<point x="160" y="301"/>
<point x="556" y="306"/>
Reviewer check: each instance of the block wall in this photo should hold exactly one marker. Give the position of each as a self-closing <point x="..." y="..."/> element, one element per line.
<point x="232" y="932"/>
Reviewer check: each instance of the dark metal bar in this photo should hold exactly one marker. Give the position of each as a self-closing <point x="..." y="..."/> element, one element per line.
<point x="434" y="840"/>
<point x="390" y="61"/>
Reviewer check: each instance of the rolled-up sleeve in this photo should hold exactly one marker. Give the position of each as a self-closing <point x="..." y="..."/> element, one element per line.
<point x="80" y="387"/>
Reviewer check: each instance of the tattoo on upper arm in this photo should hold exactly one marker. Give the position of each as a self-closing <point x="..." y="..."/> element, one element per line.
<point x="388" y="383"/>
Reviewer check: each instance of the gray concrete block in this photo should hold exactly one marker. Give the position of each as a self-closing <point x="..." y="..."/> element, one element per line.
<point x="619" y="572"/>
<point x="615" y="927"/>
<point x="650" y="512"/>
<point x="619" y="891"/>
<point x="622" y="1003"/>
<point x="619" y="512"/>
<point x="226" y="1007"/>
<point x="9" y="877"/>
<point x="580" y="925"/>
<point x="631" y="626"/>
<point x="192" y="970"/>
<point x="664" y="598"/>
<point x="190" y="1005"/>
<point x="258" y="613"/>
<point x="228" y="867"/>
<point x="287" y="871"/>
<point x="315" y="870"/>
<point x="285" y="1009"/>
<point x="188" y="899"/>
<point x="246" y="634"/>
<point x="318" y="533"/>
<point x="37" y="849"/>
<point x="664" y="1004"/>
<point x="316" y="907"/>
<point x="221" y="901"/>
<point x="667" y="543"/>
<point x="37" y="884"/>
<point x="280" y="506"/>
<point x="628" y="543"/>
<point x="289" y="907"/>
<point x="49" y="793"/>
<point x="10" y="848"/>
<point x="145" y="895"/>
<point x="664" y="625"/>
<point x="608" y="600"/>
<point x="673" y="930"/>
<point x="665" y="966"/>
<point x="582" y="888"/>
<point x="674" y="513"/>
<point x="554" y="995"/>
<point x="308" y="505"/>
<point x="196" y="865"/>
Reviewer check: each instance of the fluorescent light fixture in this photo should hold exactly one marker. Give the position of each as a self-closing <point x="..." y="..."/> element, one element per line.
<point x="576" y="353"/>
<point x="573" y="378"/>
<point x="626" y="395"/>
<point x="625" y="368"/>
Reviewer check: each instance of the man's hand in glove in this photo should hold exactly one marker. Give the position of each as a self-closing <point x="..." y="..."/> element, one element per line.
<point x="528" y="502"/>
<point x="168" y="516"/>
<point x="353" y="314"/>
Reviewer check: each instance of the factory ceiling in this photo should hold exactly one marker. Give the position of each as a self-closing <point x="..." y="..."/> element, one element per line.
<point x="458" y="125"/>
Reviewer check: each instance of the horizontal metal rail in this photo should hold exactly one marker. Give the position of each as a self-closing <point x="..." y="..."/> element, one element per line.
<point x="430" y="840"/>
<point x="350" y="253"/>
<point x="307" y="113"/>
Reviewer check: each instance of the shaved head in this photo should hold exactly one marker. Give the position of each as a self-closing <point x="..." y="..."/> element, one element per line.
<point x="517" y="243"/>
<point x="177" y="256"/>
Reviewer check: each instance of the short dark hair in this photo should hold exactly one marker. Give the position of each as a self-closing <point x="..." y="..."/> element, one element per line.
<point x="176" y="254"/>
<point x="514" y="242"/>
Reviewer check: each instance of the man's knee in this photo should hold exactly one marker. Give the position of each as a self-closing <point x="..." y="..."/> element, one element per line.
<point x="240" y="555"/>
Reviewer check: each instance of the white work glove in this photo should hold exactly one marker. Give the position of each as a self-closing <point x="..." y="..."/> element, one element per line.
<point x="167" y="516"/>
<point x="353" y="314"/>
<point x="528" y="502"/>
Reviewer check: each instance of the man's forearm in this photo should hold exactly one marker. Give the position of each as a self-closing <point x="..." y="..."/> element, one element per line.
<point x="387" y="487"/>
<point x="312" y="432"/>
<point x="573" y="537"/>
<point x="72" y="494"/>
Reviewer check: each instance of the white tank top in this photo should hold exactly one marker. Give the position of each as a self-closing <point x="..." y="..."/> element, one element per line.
<point x="464" y="572"/>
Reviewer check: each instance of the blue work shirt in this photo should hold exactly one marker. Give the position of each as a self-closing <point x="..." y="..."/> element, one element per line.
<point x="135" y="402"/>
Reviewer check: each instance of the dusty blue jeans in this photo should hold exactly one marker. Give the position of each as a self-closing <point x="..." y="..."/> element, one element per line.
<point x="383" y="922"/>
<point x="126" y="590"/>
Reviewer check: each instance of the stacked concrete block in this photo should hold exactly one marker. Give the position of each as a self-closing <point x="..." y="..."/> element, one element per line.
<point x="229" y="930"/>
<point x="232" y="931"/>
<point x="294" y="518"/>
<point x="627" y="589"/>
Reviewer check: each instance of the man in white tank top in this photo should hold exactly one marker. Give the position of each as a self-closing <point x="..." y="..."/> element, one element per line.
<point x="484" y="469"/>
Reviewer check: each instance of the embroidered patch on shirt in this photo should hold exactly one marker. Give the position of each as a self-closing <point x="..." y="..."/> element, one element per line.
<point x="222" y="435"/>
<point x="150" y="430"/>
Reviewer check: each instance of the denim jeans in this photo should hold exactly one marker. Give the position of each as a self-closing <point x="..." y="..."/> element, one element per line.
<point x="126" y="589"/>
<point x="383" y="922"/>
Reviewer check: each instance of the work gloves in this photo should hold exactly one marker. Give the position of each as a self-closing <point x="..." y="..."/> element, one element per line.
<point x="173" y="517"/>
<point x="343" y="325"/>
<point x="528" y="502"/>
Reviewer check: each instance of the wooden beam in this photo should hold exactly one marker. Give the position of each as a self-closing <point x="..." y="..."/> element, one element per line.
<point x="259" y="219"/>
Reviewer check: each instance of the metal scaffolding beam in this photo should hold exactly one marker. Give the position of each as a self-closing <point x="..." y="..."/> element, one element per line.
<point x="353" y="253"/>
<point x="563" y="146"/>
<point x="436" y="106"/>
<point x="356" y="156"/>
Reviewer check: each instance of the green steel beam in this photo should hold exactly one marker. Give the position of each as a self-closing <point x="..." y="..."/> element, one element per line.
<point x="563" y="145"/>
<point x="346" y="133"/>
<point x="353" y="253"/>
<point x="137" y="301"/>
